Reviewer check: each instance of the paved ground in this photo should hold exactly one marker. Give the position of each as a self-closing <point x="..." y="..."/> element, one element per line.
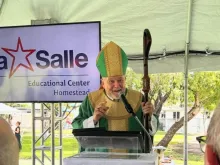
<point x="193" y="147"/>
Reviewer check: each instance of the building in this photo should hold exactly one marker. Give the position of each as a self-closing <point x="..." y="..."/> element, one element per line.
<point x="171" y="114"/>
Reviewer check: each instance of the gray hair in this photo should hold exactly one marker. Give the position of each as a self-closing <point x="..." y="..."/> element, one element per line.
<point x="9" y="150"/>
<point x="213" y="133"/>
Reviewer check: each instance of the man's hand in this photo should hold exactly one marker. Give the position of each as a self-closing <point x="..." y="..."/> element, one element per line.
<point x="147" y="108"/>
<point x="100" y="111"/>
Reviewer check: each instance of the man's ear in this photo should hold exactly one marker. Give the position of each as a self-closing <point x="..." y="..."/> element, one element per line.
<point x="101" y="84"/>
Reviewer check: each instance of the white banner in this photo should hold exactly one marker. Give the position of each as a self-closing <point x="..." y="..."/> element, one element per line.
<point x="49" y="63"/>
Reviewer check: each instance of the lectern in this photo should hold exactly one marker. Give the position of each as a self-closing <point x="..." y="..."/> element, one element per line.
<point x="101" y="147"/>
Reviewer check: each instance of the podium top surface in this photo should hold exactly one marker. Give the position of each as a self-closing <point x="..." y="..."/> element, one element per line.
<point x="103" y="132"/>
<point x="100" y="138"/>
<point x="99" y="158"/>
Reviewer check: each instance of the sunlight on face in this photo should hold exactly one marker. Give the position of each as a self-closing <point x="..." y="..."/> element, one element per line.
<point x="114" y="85"/>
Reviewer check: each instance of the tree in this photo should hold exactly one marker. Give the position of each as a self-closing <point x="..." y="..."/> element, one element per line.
<point x="163" y="86"/>
<point x="133" y="80"/>
<point x="168" y="89"/>
<point x="203" y="91"/>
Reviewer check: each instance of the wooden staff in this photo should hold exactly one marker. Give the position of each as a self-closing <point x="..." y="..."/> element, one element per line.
<point x="146" y="85"/>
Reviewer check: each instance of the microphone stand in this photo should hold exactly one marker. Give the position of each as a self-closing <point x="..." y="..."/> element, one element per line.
<point x="130" y="110"/>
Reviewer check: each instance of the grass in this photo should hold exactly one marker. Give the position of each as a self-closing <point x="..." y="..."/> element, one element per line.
<point x="176" y="139"/>
<point x="175" y="149"/>
<point x="70" y="147"/>
<point x="193" y="159"/>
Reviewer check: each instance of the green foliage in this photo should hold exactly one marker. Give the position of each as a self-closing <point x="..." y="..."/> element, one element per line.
<point x="207" y="86"/>
<point x="133" y="80"/>
<point x="162" y="82"/>
<point x="158" y="82"/>
<point x="171" y="82"/>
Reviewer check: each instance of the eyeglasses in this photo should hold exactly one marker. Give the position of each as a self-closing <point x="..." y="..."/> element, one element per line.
<point x="202" y="142"/>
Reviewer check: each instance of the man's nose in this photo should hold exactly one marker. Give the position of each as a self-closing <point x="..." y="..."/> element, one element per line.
<point x="116" y="84"/>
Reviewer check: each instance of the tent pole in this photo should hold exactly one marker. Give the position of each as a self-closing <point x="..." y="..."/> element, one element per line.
<point x="186" y="81"/>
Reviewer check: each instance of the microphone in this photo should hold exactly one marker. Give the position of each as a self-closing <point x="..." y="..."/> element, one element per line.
<point x="126" y="104"/>
<point x="130" y="110"/>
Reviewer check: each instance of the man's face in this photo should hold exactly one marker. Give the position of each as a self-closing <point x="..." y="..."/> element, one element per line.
<point x="114" y="85"/>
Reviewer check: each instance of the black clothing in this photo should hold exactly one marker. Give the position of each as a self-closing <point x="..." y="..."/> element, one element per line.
<point x="18" y="136"/>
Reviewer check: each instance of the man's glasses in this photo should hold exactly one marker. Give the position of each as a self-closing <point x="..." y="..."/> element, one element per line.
<point x="202" y="142"/>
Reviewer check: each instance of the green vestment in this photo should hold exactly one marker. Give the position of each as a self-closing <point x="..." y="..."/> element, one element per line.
<point x="117" y="118"/>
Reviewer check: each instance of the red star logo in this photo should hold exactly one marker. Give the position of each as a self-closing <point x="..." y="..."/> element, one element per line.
<point x="19" y="61"/>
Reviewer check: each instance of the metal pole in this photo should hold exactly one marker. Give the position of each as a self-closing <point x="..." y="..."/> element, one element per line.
<point x="186" y="81"/>
<point x="33" y="133"/>
<point x="52" y="134"/>
<point x="42" y="130"/>
<point x="61" y="132"/>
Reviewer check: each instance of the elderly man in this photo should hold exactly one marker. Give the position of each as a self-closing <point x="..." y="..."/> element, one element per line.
<point x="103" y="108"/>
<point x="9" y="151"/>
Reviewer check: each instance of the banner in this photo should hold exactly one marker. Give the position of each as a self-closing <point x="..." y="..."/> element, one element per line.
<point x="49" y="63"/>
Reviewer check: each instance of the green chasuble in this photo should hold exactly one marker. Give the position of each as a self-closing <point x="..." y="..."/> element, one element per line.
<point x="117" y="118"/>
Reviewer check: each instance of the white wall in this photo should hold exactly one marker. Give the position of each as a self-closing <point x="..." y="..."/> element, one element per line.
<point x="197" y="125"/>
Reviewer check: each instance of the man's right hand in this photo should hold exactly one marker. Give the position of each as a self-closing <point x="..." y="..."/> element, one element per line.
<point x="100" y="111"/>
